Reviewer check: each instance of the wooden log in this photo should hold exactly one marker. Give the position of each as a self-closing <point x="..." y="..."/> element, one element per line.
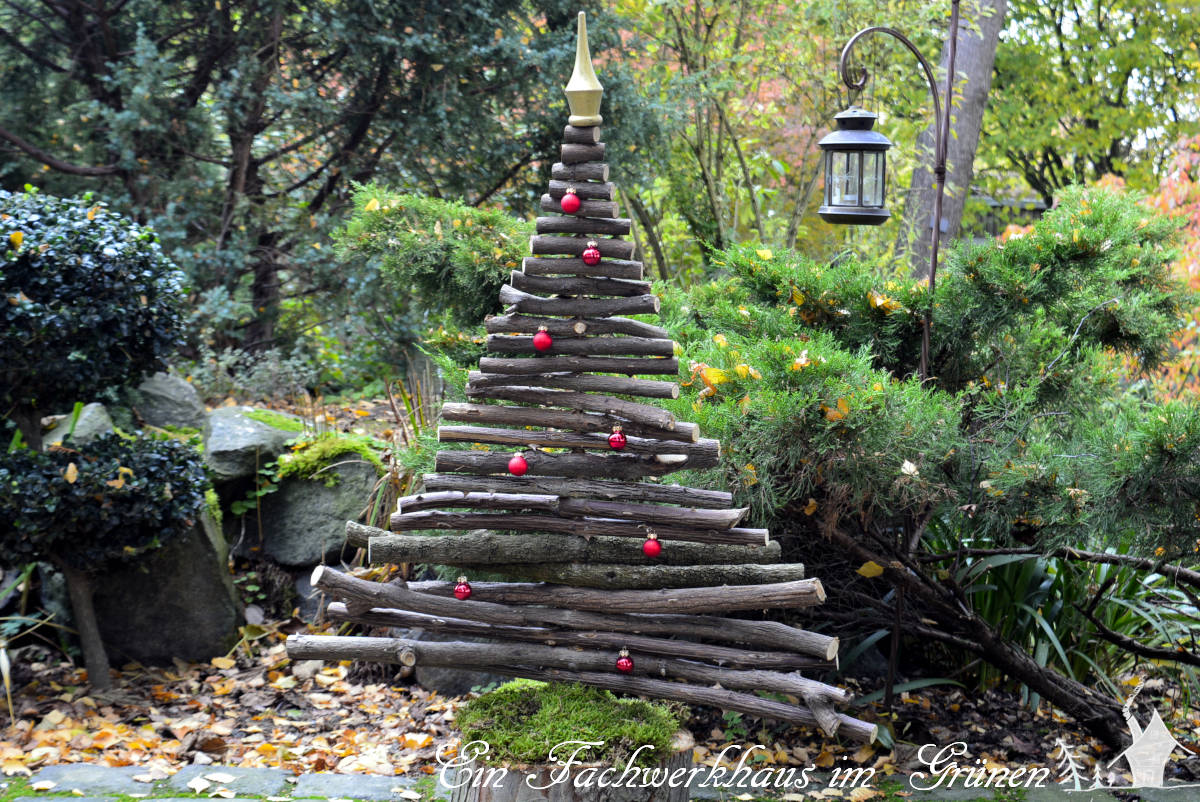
<point x="621" y="385"/>
<point x="455" y="499"/>
<point x="480" y="547"/>
<point x="693" y="694"/>
<point x="803" y="593"/>
<point x="523" y="324"/>
<point x="646" y="577"/>
<point x="679" y="516"/>
<point x="592" y="226"/>
<point x="582" y="346"/>
<point x="517" y="301"/>
<point x="549" y="245"/>
<point x="684" y="432"/>
<point x="583" y="135"/>
<point x="633" y="411"/>
<point x="630" y="366"/>
<point x="582" y="488"/>
<point x="588" y="208"/>
<point x="455" y="625"/>
<point x="706" y="450"/>
<point x="586" y="192"/>
<point x="578" y="285"/>
<point x="432" y="653"/>
<point x="771" y="635"/>
<point x="574" y="466"/>
<point x="566" y="265"/>
<point x="574" y="153"/>
<point x="583" y="527"/>
<point x="581" y="171"/>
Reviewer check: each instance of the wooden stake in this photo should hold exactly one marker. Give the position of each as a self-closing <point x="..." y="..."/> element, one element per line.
<point x="583" y="346"/>
<point x="575" y="466"/>
<point x="646" y="388"/>
<point x="586" y="192"/>
<point x="705" y="451"/>
<point x="522" y="324"/>
<point x="561" y="285"/>
<point x="583" y="171"/>
<point x="645" y="577"/>
<point x="547" y="245"/>
<point x="630" y="366"/>
<point x="633" y="411"/>
<point x="587" y="135"/>
<point x="566" y="265"/>
<point x="582" y="488"/>
<point x="588" y="208"/>
<point x="594" y="226"/>
<point x="573" y="153"/>
<point x="684" y="432"/>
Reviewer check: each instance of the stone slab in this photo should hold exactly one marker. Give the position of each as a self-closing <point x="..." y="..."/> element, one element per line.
<point x="259" y="782"/>
<point x="76" y="798"/>
<point x="93" y="779"/>
<point x="363" y="787"/>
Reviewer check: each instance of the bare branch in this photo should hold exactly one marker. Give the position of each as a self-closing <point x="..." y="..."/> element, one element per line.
<point x="57" y="164"/>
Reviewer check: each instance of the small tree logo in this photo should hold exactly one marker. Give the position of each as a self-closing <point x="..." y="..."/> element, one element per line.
<point x="1152" y="745"/>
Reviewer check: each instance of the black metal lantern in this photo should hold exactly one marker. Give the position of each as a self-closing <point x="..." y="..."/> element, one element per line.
<point x="855" y="170"/>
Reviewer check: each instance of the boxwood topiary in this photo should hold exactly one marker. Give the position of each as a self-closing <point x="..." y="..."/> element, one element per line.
<point x="116" y="501"/>
<point x="89" y="301"/>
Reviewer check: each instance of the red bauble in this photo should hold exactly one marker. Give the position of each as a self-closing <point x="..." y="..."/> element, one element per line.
<point x="652" y="547"/>
<point x="542" y="341"/>
<point x="570" y="202"/>
<point x="625" y="663"/>
<point x="517" y="465"/>
<point x="591" y="254"/>
<point x="617" y="439"/>
<point x="462" y="591"/>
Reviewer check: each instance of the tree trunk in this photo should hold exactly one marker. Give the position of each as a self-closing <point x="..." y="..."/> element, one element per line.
<point x="973" y="64"/>
<point x="79" y="587"/>
<point x="29" y="423"/>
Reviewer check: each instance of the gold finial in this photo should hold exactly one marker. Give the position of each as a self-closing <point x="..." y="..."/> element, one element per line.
<point x="584" y="90"/>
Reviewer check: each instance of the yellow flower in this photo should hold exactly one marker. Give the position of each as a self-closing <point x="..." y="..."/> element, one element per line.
<point x="721" y="340"/>
<point x="742" y="371"/>
<point x="797" y="297"/>
<point x="751" y="477"/>
<point x="764" y="253"/>
<point x="372" y="205"/>
<point x="810" y="507"/>
<point x="16" y="238"/>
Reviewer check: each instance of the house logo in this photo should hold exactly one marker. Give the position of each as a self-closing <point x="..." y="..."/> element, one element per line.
<point x="1147" y="756"/>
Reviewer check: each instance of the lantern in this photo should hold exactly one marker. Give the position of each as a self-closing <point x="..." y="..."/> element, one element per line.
<point x="855" y="170"/>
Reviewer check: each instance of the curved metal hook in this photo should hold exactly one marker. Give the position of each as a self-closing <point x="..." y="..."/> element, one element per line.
<point x="860" y="80"/>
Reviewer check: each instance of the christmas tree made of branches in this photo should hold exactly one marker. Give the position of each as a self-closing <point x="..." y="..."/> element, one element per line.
<point x="619" y="580"/>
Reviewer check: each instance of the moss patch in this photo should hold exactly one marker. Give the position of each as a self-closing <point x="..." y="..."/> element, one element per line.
<point x="523" y="720"/>
<point x="213" y="502"/>
<point x="309" y="457"/>
<point x="276" y="420"/>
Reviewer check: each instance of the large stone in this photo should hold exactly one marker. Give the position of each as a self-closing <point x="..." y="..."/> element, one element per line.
<point x="93" y="422"/>
<point x="166" y="400"/>
<point x="177" y="601"/>
<point x="446" y="680"/>
<point x="304" y="521"/>
<point x="236" y="445"/>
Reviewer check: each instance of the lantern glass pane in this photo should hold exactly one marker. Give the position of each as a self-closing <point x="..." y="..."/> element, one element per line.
<point x="872" y="179"/>
<point x="846" y="172"/>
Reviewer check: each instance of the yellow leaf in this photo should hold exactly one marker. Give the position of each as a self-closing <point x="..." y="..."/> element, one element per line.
<point x="797" y="297"/>
<point x="745" y="404"/>
<point x="721" y="340"/>
<point x="72" y="474"/>
<point x="223" y="662"/>
<point x="16" y="238"/>
<point x="417" y="740"/>
<point x="742" y="371"/>
<point x="372" y="205"/>
<point x="92" y="212"/>
<point x="715" y="375"/>
<point x="116" y="484"/>
<point x="909" y="469"/>
<point x="810" y="507"/>
<point x="824" y="760"/>
<point x="362" y="413"/>
<point x="844" y="406"/>
<point x="870" y="569"/>
<point x="863" y="792"/>
<point x="751" y="477"/>
<point x="764" y="253"/>
<point x="12" y="767"/>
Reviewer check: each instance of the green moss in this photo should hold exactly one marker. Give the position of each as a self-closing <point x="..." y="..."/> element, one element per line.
<point x="213" y="502"/>
<point x="311" y="457"/>
<point x="523" y="720"/>
<point x="181" y="431"/>
<point x="276" y="420"/>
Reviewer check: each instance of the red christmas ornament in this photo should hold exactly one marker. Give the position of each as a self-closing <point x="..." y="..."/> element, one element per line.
<point x="542" y="341"/>
<point x="652" y="547"/>
<point x="617" y="439"/>
<point x="591" y="254"/>
<point x="625" y="662"/>
<point x="517" y="465"/>
<point x="570" y="202"/>
<point x="462" y="591"/>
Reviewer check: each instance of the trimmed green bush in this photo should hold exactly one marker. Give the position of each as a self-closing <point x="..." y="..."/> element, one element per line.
<point x="89" y="302"/>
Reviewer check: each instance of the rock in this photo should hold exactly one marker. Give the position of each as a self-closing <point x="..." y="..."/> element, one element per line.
<point x="166" y="400"/>
<point x="177" y="601"/>
<point x="236" y="445"/>
<point x="312" y="601"/>
<point x="307" y="669"/>
<point x="256" y="781"/>
<point x="359" y="787"/>
<point x="93" y="422"/>
<point x="304" y="521"/>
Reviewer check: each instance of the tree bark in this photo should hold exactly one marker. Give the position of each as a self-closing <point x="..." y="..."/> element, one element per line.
<point x="645" y="577"/>
<point x="594" y="488"/>
<point x="578" y="285"/>
<point x="633" y="411"/>
<point x="583" y="527"/>
<point x="620" y="385"/>
<point x="594" y="226"/>
<point x="589" y="208"/>
<point x="574" y="153"/>
<point x="469" y="626"/>
<point x="79" y="588"/>
<point x="522" y="324"/>
<point x="978" y="35"/>
<point x="564" y="419"/>
<point x="803" y="593"/>
<point x="586" y="192"/>
<point x="479" y="547"/>
<point x="585" y="135"/>
<point x="552" y="245"/>
<point x="630" y="366"/>
<point x="583" y="171"/>
<point x="582" y="346"/>
<point x="29" y="423"/>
